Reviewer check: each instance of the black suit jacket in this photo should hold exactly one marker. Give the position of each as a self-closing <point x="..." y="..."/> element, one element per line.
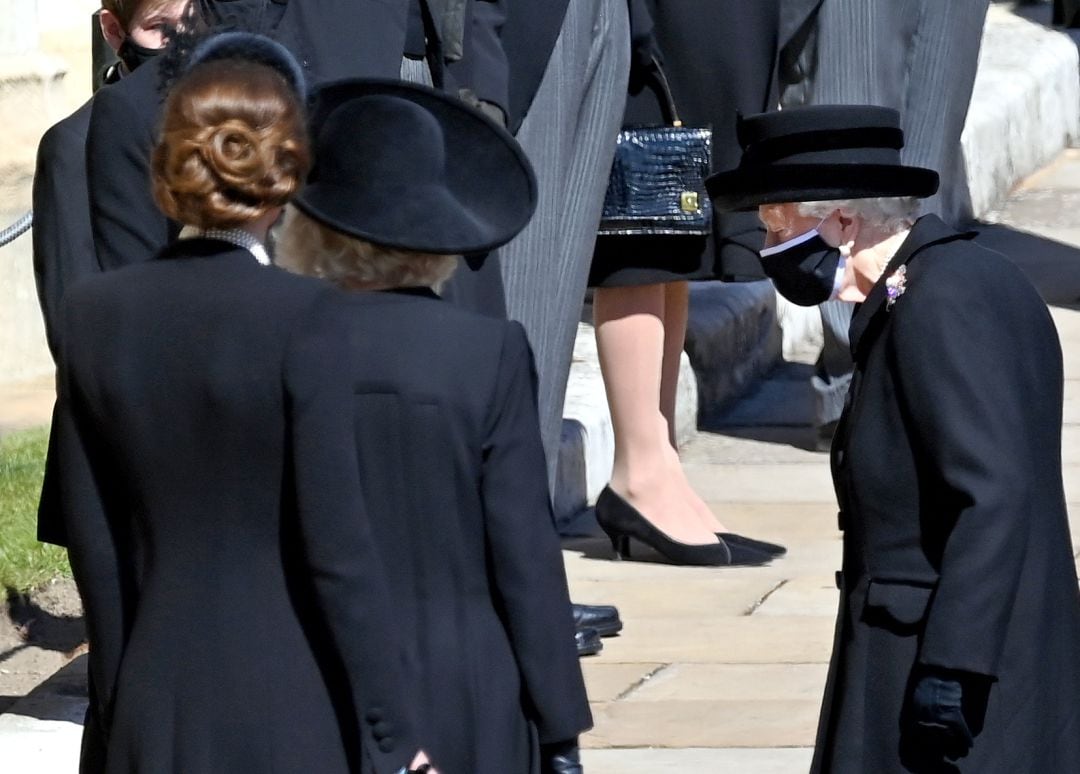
<point x="238" y="615"/>
<point x="454" y="476"/>
<point x="957" y="553"/>
<point x="333" y="39"/>
<point x="63" y="243"/>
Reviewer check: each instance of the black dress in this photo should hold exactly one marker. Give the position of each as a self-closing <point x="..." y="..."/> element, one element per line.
<point x="720" y="57"/>
<point x="454" y="476"/>
<point x="237" y="612"/>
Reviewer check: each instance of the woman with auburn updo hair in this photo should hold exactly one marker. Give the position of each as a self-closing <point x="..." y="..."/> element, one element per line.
<point x="445" y="420"/>
<point x="238" y="617"/>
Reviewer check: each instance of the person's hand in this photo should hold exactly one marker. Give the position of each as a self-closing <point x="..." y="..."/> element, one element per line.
<point x="421" y="765"/>
<point x="560" y="758"/>
<point x="937" y="711"/>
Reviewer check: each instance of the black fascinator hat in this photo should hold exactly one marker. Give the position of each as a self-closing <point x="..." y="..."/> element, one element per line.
<point x="249" y="47"/>
<point x="411" y="168"/>
<point x="819" y="153"/>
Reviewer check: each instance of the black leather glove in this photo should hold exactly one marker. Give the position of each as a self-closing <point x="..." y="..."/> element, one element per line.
<point x="560" y="758"/>
<point x="937" y="711"/>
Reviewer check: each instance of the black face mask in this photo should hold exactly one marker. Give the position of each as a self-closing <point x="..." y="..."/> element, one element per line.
<point x="133" y="55"/>
<point x="804" y="272"/>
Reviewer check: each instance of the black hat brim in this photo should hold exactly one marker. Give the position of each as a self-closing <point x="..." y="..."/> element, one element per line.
<point x="741" y="189"/>
<point x="489" y="197"/>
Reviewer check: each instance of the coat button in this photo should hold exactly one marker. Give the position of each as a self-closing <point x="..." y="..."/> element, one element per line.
<point x="840" y="580"/>
<point x="386" y="745"/>
<point x="373" y="715"/>
<point x="840" y="458"/>
<point x="382" y="729"/>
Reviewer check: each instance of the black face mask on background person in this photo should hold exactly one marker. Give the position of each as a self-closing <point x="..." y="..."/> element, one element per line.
<point x="133" y="55"/>
<point x="805" y="269"/>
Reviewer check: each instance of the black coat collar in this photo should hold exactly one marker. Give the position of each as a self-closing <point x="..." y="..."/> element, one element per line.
<point x="200" y="247"/>
<point x="421" y="291"/>
<point x="928" y="230"/>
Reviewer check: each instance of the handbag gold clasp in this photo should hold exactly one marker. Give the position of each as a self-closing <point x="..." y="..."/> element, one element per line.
<point x="688" y="201"/>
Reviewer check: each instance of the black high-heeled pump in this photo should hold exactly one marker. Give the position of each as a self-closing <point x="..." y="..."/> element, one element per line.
<point x="733" y="539"/>
<point x="622" y="521"/>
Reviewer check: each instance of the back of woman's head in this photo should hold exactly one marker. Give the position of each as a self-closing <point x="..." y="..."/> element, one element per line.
<point x="233" y="145"/>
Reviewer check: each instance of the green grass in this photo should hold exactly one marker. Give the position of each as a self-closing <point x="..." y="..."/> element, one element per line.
<point x="24" y="562"/>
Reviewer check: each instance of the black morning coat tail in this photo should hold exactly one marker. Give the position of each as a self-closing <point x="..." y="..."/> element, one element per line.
<point x="957" y="552"/>
<point x="238" y="613"/>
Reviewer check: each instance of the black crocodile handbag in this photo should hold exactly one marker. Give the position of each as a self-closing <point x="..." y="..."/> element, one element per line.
<point x="657" y="182"/>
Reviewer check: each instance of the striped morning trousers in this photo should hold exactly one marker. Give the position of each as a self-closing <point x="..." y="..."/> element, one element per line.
<point x="569" y="135"/>
<point x="920" y="57"/>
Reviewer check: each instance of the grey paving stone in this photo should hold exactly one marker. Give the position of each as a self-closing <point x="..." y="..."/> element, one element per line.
<point x="705" y="760"/>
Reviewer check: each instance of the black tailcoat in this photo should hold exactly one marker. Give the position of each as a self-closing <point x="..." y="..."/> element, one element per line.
<point x="63" y="244"/>
<point x="454" y="477"/>
<point x="332" y="39"/>
<point x="238" y="616"/>
<point x="528" y="38"/>
<point x="957" y="554"/>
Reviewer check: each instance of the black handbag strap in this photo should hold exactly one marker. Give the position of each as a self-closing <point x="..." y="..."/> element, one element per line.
<point x="667" y="101"/>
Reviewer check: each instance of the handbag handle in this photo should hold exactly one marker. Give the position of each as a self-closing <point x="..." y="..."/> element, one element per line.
<point x="667" y="101"/>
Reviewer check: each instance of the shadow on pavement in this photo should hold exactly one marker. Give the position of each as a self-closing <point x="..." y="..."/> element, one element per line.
<point x="41" y="628"/>
<point x="1053" y="267"/>
<point x="62" y="697"/>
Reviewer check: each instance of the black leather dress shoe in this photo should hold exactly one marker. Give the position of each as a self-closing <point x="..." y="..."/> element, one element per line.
<point x="588" y="642"/>
<point x="603" y="618"/>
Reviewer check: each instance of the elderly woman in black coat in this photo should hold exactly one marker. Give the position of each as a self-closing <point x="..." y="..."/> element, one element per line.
<point x="238" y="616"/>
<point x="451" y="462"/>
<point x="957" y="638"/>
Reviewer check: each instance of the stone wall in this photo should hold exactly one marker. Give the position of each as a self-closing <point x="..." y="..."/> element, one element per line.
<point x="44" y="75"/>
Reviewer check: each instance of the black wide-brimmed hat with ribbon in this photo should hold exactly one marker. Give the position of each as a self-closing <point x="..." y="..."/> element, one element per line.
<point x="408" y="167"/>
<point x="819" y="153"/>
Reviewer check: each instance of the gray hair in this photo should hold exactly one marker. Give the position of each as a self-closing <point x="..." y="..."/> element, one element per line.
<point x="306" y="246"/>
<point x="892" y="214"/>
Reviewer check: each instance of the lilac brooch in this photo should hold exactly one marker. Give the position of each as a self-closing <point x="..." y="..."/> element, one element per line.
<point x="895" y="285"/>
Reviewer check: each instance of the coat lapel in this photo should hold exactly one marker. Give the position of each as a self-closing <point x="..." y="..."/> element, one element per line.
<point x="928" y="230"/>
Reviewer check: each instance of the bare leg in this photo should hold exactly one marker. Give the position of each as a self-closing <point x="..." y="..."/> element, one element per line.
<point x="630" y="340"/>
<point x="676" y="310"/>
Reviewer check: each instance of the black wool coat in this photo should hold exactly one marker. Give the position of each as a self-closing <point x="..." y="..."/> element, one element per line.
<point x="454" y="478"/>
<point x="957" y="553"/>
<point x="332" y="39"/>
<point x="237" y="612"/>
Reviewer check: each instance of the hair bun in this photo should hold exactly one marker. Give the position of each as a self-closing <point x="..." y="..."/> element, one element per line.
<point x="233" y="145"/>
<point x="233" y="152"/>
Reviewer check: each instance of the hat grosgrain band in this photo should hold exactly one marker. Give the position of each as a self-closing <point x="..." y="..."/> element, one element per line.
<point x="411" y="168"/>
<point x="819" y="153"/>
